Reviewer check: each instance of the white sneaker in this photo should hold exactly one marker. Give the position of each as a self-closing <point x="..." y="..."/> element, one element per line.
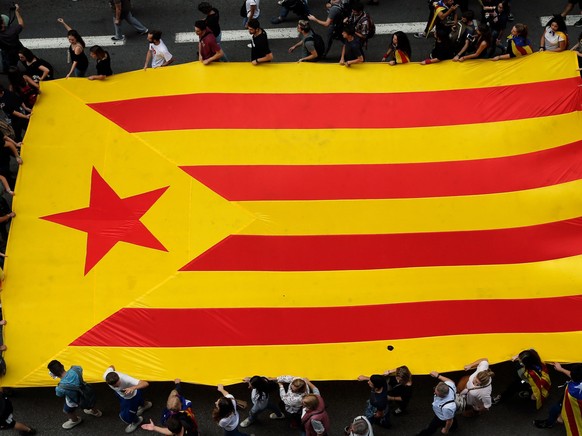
<point x="132" y="427"/>
<point x="97" y="412"/>
<point x="141" y="409"/>
<point x="245" y="423"/>
<point x="275" y="416"/>
<point x="70" y="423"/>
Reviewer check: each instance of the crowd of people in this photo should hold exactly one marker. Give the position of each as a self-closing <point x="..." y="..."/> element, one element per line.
<point x="301" y="405"/>
<point x="454" y="32"/>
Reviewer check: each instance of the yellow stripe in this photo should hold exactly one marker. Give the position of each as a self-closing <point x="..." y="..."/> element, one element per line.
<point x="429" y="144"/>
<point x="443" y="214"/>
<point x="336" y="288"/>
<point x="212" y="365"/>
<point x="315" y="78"/>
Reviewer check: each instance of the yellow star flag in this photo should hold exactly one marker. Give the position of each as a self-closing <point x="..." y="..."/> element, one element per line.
<point x="213" y="222"/>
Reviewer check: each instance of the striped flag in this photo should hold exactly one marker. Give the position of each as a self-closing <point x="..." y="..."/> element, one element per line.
<point x="221" y="221"/>
<point x="572" y="409"/>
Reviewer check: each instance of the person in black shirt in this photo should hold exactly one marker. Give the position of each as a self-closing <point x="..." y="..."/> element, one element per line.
<point x="103" y="63"/>
<point x="260" y="51"/>
<point x="352" y="50"/>
<point x="10" y="40"/>
<point x="35" y="68"/>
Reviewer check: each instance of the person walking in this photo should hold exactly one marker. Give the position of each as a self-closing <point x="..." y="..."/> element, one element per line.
<point x="209" y="49"/>
<point x="10" y="39"/>
<point x="122" y="11"/>
<point x="128" y="390"/>
<point x="158" y="53"/>
<point x="103" y="63"/>
<point x="76" y="392"/>
<point x="260" y="51"/>
<point x="7" y="420"/>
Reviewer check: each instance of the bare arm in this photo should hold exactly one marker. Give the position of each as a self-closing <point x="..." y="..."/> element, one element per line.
<point x="148" y="59"/>
<point x="152" y="427"/>
<point x="17" y="14"/>
<point x="66" y="26"/>
<point x="475" y="364"/>
<point x="223" y="391"/>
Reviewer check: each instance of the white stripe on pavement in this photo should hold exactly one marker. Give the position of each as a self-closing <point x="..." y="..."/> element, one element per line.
<point x="291" y="32"/>
<point x="570" y="19"/>
<point x="44" y="43"/>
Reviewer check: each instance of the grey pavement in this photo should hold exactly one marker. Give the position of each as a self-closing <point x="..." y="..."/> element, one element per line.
<point x="41" y="409"/>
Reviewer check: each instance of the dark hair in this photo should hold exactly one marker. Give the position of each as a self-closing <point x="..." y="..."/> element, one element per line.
<point x="349" y="29"/>
<point x="378" y="381"/>
<point x="76" y="35"/>
<point x="559" y="20"/>
<point x="358" y="7"/>
<point x="112" y="378"/>
<point x="28" y="55"/>
<point x="576" y="370"/>
<point x="222" y="409"/>
<point x="468" y="15"/>
<point x="304" y="25"/>
<point x="16" y="78"/>
<point x="174" y="424"/>
<point x="261" y="384"/>
<point x="254" y="23"/>
<point x="98" y="51"/>
<point x="530" y="359"/>
<point x="204" y="7"/>
<point x="403" y="43"/>
<point x="156" y="34"/>
<point x="485" y="32"/>
<point x="56" y="367"/>
<point x="200" y="24"/>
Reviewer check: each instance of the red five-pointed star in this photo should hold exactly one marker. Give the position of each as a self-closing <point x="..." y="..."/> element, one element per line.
<point x="110" y="219"/>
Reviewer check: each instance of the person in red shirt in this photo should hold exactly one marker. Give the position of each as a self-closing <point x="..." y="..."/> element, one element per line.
<point x="208" y="49"/>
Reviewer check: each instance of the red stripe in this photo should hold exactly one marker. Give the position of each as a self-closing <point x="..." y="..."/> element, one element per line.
<point x="304" y="111"/>
<point x="361" y="252"/>
<point x="266" y="326"/>
<point x="410" y="180"/>
<point x="568" y="408"/>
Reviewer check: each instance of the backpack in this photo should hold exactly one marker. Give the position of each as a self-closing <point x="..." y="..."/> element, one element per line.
<point x="338" y="24"/>
<point x="318" y="43"/>
<point x="371" y="25"/>
<point x="87" y="398"/>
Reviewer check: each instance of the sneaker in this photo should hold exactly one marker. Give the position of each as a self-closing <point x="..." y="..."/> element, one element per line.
<point x="496" y="399"/>
<point x="578" y="23"/>
<point x="30" y="432"/>
<point x="115" y="38"/>
<point x="542" y="423"/>
<point x="132" y="427"/>
<point x="526" y="395"/>
<point x="275" y="416"/>
<point x="141" y="409"/>
<point x="145" y="32"/>
<point x="276" y="20"/>
<point x="245" y="423"/>
<point x="70" y="424"/>
<point x="97" y="412"/>
<point x="420" y="35"/>
<point x="510" y="17"/>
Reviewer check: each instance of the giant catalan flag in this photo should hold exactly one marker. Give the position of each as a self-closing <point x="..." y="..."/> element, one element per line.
<point x="211" y="223"/>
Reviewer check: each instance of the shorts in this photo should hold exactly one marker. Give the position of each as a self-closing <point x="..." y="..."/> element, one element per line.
<point x="69" y="409"/>
<point x="8" y="423"/>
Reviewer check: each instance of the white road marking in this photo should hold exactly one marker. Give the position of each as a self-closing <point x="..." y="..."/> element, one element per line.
<point x="291" y="32"/>
<point x="570" y="20"/>
<point x="44" y="43"/>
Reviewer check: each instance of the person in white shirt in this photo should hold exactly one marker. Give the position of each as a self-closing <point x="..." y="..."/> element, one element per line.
<point x="128" y="390"/>
<point x="253" y="11"/>
<point x="158" y="53"/>
<point x="225" y="413"/>
<point x="478" y="387"/>
<point x="443" y="406"/>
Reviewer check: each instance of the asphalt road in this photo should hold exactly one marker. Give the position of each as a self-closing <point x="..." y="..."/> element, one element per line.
<point x="41" y="409"/>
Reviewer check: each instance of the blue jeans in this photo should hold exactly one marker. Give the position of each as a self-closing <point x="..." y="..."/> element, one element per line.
<point x="370" y="413"/>
<point x="128" y="413"/>
<point x="131" y="20"/>
<point x="79" y="73"/>
<point x="256" y="409"/>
